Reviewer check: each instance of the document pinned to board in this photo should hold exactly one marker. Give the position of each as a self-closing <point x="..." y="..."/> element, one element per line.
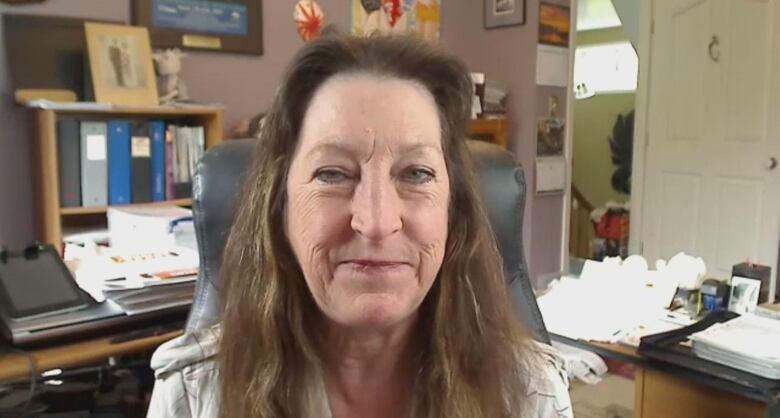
<point x="550" y="174"/>
<point x="552" y="66"/>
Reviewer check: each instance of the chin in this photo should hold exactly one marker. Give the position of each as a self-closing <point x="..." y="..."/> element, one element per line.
<point x="376" y="311"/>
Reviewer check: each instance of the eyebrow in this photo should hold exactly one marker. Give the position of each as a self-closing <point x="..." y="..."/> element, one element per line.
<point x="341" y="147"/>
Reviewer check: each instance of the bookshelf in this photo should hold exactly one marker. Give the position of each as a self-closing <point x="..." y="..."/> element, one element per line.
<point x="104" y="209"/>
<point x="50" y="217"/>
<point x="495" y="130"/>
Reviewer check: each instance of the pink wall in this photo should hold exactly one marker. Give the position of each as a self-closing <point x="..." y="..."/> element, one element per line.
<point x="245" y="85"/>
<point x="509" y="55"/>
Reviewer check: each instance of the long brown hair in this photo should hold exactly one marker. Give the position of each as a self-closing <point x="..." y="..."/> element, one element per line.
<point x="270" y="358"/>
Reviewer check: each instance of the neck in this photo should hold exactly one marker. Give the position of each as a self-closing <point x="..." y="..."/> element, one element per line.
<point x="369" y="372"/>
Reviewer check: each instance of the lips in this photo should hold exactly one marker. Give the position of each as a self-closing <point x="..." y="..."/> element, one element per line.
<point x="374" y="265"/>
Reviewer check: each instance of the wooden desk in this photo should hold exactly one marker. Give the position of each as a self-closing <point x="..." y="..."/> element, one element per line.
<point x="15" y="366"/>
<point x="659" y="394"/>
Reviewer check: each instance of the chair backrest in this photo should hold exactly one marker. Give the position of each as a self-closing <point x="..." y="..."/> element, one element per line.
<point x="220" y="174"/>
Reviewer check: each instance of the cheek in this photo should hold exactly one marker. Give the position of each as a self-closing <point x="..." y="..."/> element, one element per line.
<point x="427" y="225"/>
<point x="314" y="226"/>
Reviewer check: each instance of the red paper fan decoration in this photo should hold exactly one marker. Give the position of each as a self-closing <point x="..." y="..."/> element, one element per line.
<point x="308" y="19"/>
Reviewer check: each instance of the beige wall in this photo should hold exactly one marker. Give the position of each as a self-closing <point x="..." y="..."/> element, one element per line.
<point x="592" y="167"/>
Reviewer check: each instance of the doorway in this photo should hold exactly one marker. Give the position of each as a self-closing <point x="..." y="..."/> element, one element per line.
<point x="605" y="81"/>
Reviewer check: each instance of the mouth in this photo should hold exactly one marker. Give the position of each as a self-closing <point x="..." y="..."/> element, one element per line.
<point x="374" y="265"/>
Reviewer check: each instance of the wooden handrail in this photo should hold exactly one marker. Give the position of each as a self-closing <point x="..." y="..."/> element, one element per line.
<point x="584" y="203"/>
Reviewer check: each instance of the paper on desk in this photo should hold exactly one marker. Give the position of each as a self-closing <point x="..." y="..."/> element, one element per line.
<point x="116" y="270"/>
<point x="655" y="326"/>
<point x="134" y="301"/>
<point x="750" y="343"/>
<point x="606" y="302"/>
<point x="749" y="335"/>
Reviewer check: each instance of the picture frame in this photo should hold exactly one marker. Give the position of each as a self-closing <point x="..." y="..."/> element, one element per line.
<point x="501" y="13"/>
<point x="554" y="25"/>
<point x="550" y="137"/>
<point x="743" y="297"/>
<point x="420" y="18"/>
<point x="232" y="26"/>
<point x="120" y="62"/>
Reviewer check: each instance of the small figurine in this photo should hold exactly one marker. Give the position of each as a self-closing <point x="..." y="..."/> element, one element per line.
<point x="169" y="82"/>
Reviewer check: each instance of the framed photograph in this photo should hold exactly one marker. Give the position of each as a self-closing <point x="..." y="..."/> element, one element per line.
<point x="550" y="137"/>
<point x="394" y="17"/>
<point x="499" y="13"/>
<point x="554" y="25"/>
<point x="120" y="61"/>
<point x="211" y="25"/>
<point x="744" y="294"/>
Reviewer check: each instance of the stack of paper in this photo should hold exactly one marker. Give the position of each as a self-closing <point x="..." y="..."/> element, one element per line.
<point x="750" y="343"/>
<point x="152" y="298"/>
<point x="141" y="281"/>
<point x="495" y="97"/>
<point x="140" y="228"/>
<point x="768" y="310"/>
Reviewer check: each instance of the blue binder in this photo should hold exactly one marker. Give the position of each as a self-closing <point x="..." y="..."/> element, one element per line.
<point x="119" y="178"/>
<point x="158" y="160"/>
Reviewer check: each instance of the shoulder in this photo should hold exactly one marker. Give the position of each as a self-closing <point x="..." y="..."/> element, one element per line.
<point x="186" y="374"/>
<point x="547" y="384"/>
<point x="186" y="350"/>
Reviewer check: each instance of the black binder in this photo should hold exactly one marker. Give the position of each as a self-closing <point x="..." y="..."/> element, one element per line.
<point x="69" y="162"/>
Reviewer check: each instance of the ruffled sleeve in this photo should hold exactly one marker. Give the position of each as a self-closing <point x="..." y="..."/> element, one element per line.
<point x="548" y="386"/>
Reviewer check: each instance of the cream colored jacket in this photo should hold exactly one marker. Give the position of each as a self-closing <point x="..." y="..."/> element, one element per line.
<point x="186" y="384"/>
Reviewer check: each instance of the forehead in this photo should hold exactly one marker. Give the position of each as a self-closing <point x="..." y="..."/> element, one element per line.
<point x="360" y="109"/>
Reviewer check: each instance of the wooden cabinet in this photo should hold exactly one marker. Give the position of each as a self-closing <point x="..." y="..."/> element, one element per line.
<point x="50" y="217"/>
<point x="490" y="130"/>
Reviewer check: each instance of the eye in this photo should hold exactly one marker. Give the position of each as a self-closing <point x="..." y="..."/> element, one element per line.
<point x="418" y="175"/>
<point x="330" y="175"/>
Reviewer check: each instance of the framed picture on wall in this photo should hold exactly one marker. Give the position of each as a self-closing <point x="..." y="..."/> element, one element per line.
<point x="394" y="17"/>
<point x="499" y="13"/>
<point x="219" y="25"/>
<point x="120" y="62"/>
<point x="553" y="25"/>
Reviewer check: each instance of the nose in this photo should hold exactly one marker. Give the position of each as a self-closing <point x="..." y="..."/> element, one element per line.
<point x="376" y="207"/>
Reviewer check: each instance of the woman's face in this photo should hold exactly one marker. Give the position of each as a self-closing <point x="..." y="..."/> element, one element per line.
<point x="367" y="199"/>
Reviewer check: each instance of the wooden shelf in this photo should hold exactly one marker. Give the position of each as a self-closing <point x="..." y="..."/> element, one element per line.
<point x="156" y="111"/>
<point x="16" y="367"/>
<point x="102" y="209"/>
<point x="50" y="217"/>
<point x="495" y="130"/>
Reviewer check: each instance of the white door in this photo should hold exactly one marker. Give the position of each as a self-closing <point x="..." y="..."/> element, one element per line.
<point x="711" y="188"/>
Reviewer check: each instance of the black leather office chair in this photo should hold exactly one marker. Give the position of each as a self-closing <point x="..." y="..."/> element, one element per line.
<point x="219" y="177"/>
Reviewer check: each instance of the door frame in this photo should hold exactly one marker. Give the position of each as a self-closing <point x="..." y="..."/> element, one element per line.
<point x="641" y="133"/>
<point x="568" y="147"/>
<point x="641" y="110"/>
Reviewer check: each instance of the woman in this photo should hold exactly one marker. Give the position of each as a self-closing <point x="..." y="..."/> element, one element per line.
<point x="360" y="277"/>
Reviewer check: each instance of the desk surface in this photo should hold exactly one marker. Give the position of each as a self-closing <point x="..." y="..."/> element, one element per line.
<point x="609" y="350"/>
<point x="671" y="391"/>
<point x="14" y="366"/>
